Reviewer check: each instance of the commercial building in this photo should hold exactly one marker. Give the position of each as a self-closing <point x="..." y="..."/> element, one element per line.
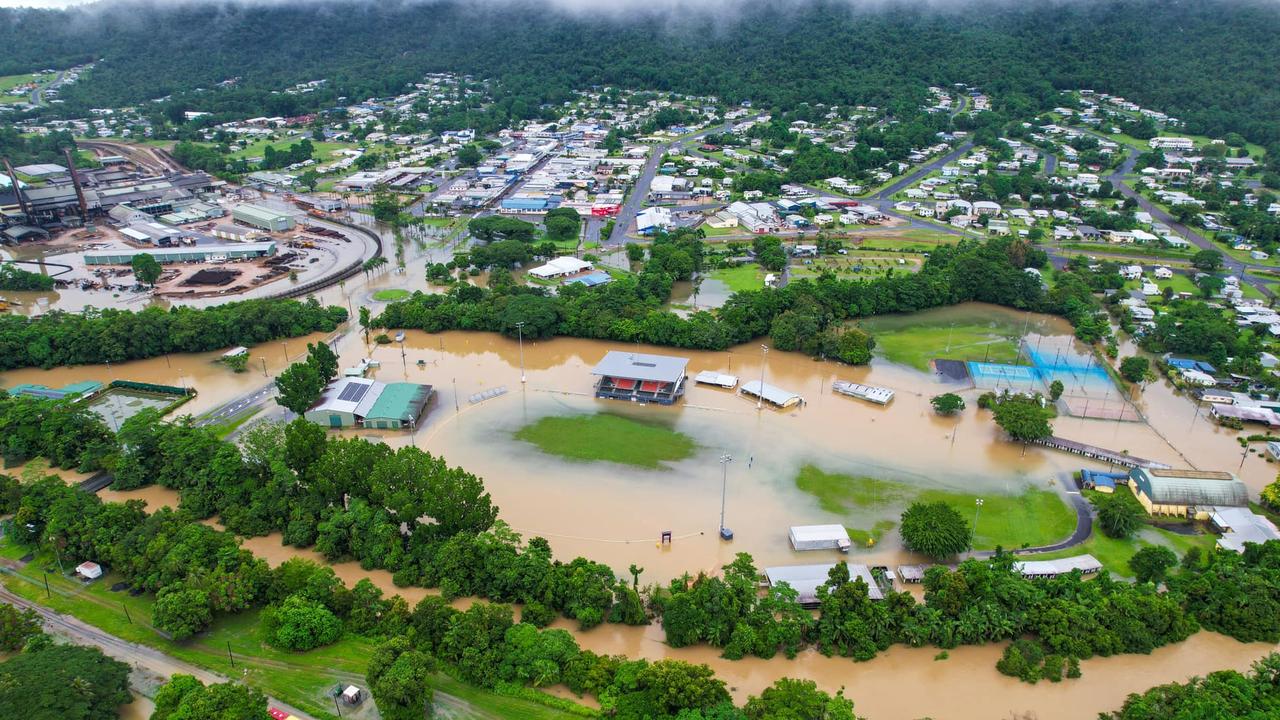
<point x="641" y="377"/>
<point x="1186" y="493"/>
<point x="262" y="217"/>
<point x="360" y="402"/>
<point x="199" y="253"/>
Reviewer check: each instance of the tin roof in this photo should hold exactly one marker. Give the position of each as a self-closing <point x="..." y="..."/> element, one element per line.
<point x="641" y="366"/>
<point x="1190" y="487"/>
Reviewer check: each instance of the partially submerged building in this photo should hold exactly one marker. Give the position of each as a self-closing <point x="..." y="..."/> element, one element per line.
<point x="360" y="402"/>
<point x="641" y="377"/>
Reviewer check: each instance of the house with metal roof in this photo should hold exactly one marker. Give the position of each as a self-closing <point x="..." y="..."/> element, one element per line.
<point x="640" y="377"/>
<point x="1241" y="525"/>
<point x="1187" y="493"/>
<point x="805" y="580"/>
<point x="398" y="406"/>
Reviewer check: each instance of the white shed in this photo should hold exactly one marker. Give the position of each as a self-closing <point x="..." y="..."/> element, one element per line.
<point x="820" y="537"/>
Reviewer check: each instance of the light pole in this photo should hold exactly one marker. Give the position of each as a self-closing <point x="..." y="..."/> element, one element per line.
<point x="764" y="356"/>
<point x="520" y="334"/>
<point x="977" y="508"/>
<point x="725" y="533"/>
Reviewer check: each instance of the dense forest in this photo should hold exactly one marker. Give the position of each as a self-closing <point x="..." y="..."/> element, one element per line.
<point x="97" y="336"/>
<point x="1210" y="63"/>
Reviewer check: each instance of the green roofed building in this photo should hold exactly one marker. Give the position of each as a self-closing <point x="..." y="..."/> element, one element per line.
<point x="261" y="217"/>
<point x="1187" y="493"/>
<point x="400" y="405"/>
<point x="360" y="402"/>
<point x="84" y="388"/>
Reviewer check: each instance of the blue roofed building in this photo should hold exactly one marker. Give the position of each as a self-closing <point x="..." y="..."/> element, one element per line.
<point x="591" y="279"/>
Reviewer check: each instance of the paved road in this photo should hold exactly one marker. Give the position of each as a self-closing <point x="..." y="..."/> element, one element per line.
<point x="923" y="170"/>
<point x="1119" y="179"/>
<point x="231" y="408"/>
<point x="138" y="656"/>
<point x="631" y="206"/>
<point x="1084" y="528"/>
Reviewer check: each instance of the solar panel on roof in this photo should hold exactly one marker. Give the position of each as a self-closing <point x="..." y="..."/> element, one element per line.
<point x="354" y="392"/>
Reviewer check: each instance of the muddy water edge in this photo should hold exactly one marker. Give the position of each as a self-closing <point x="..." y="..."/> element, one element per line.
<point x="614" y="513"/>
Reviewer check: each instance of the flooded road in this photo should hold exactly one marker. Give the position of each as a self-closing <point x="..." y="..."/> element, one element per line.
<point x="615" y="513"/>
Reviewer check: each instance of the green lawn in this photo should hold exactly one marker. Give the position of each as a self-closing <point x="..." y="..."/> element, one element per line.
<point x="743" y="277"/>
<point x="916" y="345"/>
<point x="8" y="82"/>
<point x="1114" y="553"/>
<point x="321" y="151"/>
<point x="720" y="232"/>
<point x="391" y="294"/>
<point x="611" y="438"/>
<point x="302" y="679"/>
<point x="1035" y="517"/>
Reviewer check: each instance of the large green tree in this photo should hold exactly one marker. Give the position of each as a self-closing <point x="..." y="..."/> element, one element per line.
<point x="788" y="699"/>
<point x="145" y="268"/>
<point x="299" y="386"/>
<point x="935" y="529"/>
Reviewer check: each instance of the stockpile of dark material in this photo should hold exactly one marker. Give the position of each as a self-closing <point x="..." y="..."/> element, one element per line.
<point x="282" y="259"/>
<point x="212" y="276"/>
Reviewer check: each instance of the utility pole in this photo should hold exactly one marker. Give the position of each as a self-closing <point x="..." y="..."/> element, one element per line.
<point x="977" y="508"/>
<point x="264" y="366"/>
<point x="520" y="334"/>
<point x="725" y="533"/>
<point x="764" y="356"/>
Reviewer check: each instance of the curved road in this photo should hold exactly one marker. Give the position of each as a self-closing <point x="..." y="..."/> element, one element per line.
<point x="136" y="655"/>
<point x="1084" y="528"/>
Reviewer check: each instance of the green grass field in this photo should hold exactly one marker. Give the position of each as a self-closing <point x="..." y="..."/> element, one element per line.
<point x="1035" y="517"/>
<point x="390" y="294"/>
<point x="1114" y="553"/>
<point x="302" y="679"/>
<point x="721" y="232"/>
<point x="8" y="82"/>
<point x="611" y="438"/>
<point x="916" y="345"/>
<point x="743" y="277"/>
<point x="321" y="151"/>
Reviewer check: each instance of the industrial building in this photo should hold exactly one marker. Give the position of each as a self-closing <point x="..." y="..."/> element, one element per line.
<point x="640" y="377"/>
<point x="262" y="217"/>
<point x="198" y="253"/>
<point x="360" y="402"/>
<point x="235" y="233"/>
<point x="1186" y="493"/>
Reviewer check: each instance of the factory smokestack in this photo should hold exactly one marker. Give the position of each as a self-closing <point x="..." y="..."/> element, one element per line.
<point x="17" y="190"/>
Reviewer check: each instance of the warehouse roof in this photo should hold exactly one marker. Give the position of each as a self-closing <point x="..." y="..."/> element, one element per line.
<point x="641" y="366"/>
<point x="1190" y="487"/>
<point x="402" y="401"/>
<point x="258" y="212"/>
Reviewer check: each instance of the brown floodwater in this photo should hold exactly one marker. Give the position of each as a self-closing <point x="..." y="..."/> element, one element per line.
<point x="615" y="513"/>
<point x="140" y="709"/>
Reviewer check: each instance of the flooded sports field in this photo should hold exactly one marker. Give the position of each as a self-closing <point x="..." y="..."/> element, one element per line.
<point x="616" y="512"/>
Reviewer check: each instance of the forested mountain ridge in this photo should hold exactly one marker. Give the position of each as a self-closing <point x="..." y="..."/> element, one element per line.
<point x="1209" y="62"/>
